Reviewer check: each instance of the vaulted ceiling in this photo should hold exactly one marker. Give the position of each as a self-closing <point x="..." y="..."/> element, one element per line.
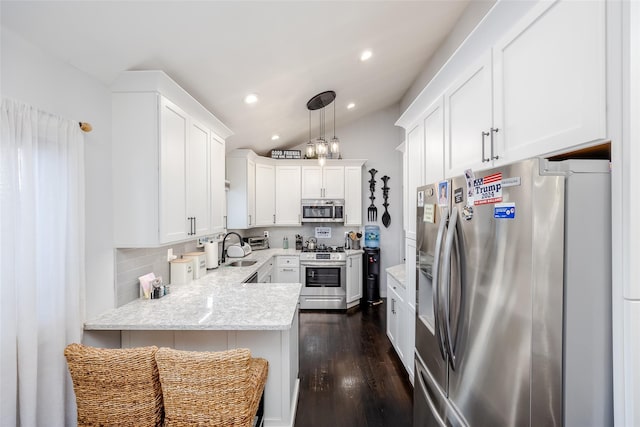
<point x="219" y="51"/>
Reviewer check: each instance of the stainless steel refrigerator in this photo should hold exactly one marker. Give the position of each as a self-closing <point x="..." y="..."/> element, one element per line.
<point x="513" y="313"/>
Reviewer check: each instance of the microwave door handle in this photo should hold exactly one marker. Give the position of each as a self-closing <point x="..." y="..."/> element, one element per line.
<point x="435" y="282"/>
<point x="446" y="281"/>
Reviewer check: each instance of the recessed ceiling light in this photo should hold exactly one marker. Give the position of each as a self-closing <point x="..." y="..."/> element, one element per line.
<point x="252" y="98"/>
<point x="351" y="105"/>
<point x="275" y="137"/>
<point x="365" y="55"/>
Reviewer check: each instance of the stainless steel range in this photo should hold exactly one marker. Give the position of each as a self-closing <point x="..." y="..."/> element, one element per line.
<point x="323" y="272"/>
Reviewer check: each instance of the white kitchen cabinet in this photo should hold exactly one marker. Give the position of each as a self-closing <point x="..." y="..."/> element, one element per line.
<point x="468" y="131"/>
<point x="287" y="195"/>
<point x="353" y="195"/>
<point x="161" y="140"/>
<point x="415" y="167"/>
<point x="354" y="279"/>
<point x="549" y="80"/>
<point x="325" y="182"/>
<point x="265" y="272"/>
<point x="241" y="202"/>
<point x="218" y="194"/>
<point x="395" y="309"/>
<point x="434" y="142"/>
<point x="198" y="180"/>
<point x="265" y="194"/>
<point x="174" y="133"/>
<point x="287" y="269"/>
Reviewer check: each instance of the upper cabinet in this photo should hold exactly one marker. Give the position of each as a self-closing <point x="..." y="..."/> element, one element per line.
<point x="265" y="194"/>
<point x="534" y="84"/>
<point x="468" y="134"/>
<point x="549" y="80"/>
<point x="353" y="195"/>
<point x="326" y="182"/>
<point x="241" y="197"/>
<point x="218" y="195"/>
<point x="164" y="177"/>
<point x="415" y="167"/>
<point x="288" y="195"/>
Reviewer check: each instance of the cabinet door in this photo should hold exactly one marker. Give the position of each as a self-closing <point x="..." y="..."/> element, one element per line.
<point x="312" y="182"/>
<point x="251" y="192"/>
<point x="198" y="180"/>
<point x="550" y="81"/>
<point x="287" y="275"/>
<point x="415" y="150"/>
<point x="173" y="199"/>
<point x="288" y="195"/>
<point x="354" y="278"/>
<point x="265" y="195"/>
<point x="434" y="142"/>
<point x="352" y="195"/>
<point x="468" y="108"/>
<point x="218" y="196"/>
<point x="333" y="182"/>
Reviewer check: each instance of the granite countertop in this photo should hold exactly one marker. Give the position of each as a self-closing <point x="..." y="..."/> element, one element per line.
<point x="218" y="301"/>
<point x="399" y="273"/>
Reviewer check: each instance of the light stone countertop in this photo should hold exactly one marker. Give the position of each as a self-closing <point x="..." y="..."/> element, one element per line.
<point x="217" y="301"/>
<point x="399" y="273"/>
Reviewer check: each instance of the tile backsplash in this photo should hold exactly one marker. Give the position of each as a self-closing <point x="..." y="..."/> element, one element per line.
<point x="133" y="263"/>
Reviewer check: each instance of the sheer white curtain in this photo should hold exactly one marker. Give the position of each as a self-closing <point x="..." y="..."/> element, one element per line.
<point x="41" y="263"/>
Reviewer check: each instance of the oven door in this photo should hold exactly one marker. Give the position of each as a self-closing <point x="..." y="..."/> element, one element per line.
<point x="323" y="285"/>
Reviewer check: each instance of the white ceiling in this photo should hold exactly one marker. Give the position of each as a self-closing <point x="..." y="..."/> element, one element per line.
<point x="285" y="52"/>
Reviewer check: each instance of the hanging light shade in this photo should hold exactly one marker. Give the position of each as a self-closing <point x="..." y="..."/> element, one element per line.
<point x="321" y="148"/>
<point x="310" y="150"/>
<point x="334" y="145"/>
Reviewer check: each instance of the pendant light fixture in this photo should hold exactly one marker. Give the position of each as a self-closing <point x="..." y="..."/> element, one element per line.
<point x="321" y="148"/>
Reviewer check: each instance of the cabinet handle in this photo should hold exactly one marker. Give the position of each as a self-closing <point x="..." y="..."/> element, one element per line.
<point x="195" y="227"/>
<point x="493" y="130"/>
<point x="249" y="219"/>
<point x="484" y="159"/>
<point x="225" y="222"/>
<point x="287" y="269"/>
<point x="393" y="306"/>
<point x="274" y="218"/>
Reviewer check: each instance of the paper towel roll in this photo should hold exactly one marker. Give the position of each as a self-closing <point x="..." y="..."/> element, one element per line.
<point x="211" y="253"/>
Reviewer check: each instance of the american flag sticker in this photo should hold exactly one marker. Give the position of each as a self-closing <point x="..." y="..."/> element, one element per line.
<point x="487" y="189"/>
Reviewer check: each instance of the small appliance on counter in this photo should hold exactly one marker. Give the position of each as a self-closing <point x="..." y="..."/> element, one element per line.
<point x="211" y="255"/>
<point x="237" y="251"/>
<point x="257" y="243"/>
<point x="199" y="263"/>
<point x="298" y="242"/>
<point x="181" y="271"/>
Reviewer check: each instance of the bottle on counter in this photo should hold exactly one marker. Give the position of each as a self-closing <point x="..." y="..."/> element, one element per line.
<point x="285" y="243"/>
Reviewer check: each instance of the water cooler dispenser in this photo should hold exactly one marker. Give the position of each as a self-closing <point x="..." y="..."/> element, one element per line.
<point x="371" y="264"/>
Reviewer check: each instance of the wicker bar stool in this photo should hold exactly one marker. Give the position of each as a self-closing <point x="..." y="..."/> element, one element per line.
<point x="115" y="387"/>
<point x="211" y="388"/>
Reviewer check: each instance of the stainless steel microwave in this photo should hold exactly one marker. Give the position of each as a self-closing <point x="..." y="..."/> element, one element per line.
<point x="328" y="210"/>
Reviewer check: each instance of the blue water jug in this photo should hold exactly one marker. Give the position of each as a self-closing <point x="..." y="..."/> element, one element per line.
<point x="372" y="236"/>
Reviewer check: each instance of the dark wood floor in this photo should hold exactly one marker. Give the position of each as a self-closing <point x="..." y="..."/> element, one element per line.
<point x="349" y="373"/>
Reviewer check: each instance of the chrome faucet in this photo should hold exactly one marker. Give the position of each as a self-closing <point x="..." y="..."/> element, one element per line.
<point x="222" y="259"/>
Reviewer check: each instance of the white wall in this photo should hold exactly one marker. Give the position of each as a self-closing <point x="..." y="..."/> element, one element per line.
<point x="34" y="77"/>
<point x="375" y="138"/>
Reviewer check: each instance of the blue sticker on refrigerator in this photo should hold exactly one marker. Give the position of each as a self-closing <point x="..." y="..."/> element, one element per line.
<point x="504" y="210"/>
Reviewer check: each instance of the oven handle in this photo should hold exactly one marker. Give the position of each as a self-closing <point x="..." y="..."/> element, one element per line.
<point x="323" y="264"/>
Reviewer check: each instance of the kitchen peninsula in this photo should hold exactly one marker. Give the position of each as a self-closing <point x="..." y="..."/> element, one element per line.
<point x="219" y="312"/>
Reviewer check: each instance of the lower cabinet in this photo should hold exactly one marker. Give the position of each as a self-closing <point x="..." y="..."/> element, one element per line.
<point x="287" y="269"/>
<point x="354" y="279"/>
<point x="265" y="272"/>
<point x="400" y="318"/>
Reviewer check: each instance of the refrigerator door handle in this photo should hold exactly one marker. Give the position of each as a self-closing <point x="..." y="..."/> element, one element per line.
<point x="436" y="283"/>
<point x="446" y="280"/>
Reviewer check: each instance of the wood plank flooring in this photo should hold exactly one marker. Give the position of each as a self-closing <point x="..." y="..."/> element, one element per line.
<point x="349" y="373"/>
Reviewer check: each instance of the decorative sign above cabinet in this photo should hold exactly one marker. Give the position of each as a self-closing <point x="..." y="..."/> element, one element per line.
<point x="285" y="154"/>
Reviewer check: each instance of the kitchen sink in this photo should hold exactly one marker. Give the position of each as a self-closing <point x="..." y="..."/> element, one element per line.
<point x="243" y="263"/>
